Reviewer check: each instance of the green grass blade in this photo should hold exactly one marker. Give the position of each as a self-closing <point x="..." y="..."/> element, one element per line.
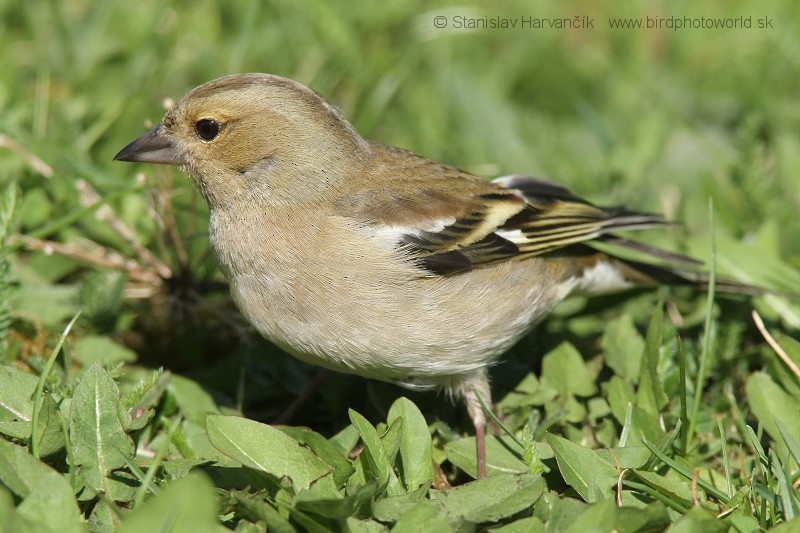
<point x="685" y="435"/>
<point x="708" y="337"/>
<point x="685" y="472"/>
<point x="39" y="393"/>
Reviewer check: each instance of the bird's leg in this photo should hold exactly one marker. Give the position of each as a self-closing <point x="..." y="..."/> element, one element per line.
<point x="480" y="440"/>
<point x="474" y="388"/>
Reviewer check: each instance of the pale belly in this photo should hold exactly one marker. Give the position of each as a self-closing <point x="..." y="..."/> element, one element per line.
<point x="360" y="310"/>
<point x="420" y="332"/>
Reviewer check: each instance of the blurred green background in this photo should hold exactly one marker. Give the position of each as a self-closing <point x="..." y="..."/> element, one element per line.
<point x="662" y="120"/>
<point x="659" y="119"/>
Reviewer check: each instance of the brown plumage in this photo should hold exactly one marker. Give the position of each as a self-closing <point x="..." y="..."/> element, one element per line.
<point x="367" y="259"/>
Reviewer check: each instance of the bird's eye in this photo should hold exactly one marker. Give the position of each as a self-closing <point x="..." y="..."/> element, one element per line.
<point x="207" y="129"/>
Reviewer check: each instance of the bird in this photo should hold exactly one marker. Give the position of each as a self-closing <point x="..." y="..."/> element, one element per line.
<point x="368" y="259"/>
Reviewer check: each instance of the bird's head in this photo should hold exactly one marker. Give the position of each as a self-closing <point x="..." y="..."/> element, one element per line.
<point x="255" y="137"/>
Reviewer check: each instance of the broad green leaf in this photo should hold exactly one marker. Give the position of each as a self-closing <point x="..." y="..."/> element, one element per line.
<point x="18" y="469"/>
<point x="619" y="394"/>
<point x="583" y="469"/>
<point x="324" y="449"/>
<point x="357" y="503"/>
<point x="234" y="476"/>
<point x="346" y="440"/>
<point x="650" y="395"/>
<point x="308" y="523"/>
<point x="643" y="425"/>
<point x="531" y="524"/>
<point x="528" y="385"/>
<point x="52" y="505"/>
<point x="359" y="476"/>
<point x="143" y="399"/>
<point x="699" y="520"/>
<point x="653" y="517"/>
<point x="97" y="419"/>
<point x="792" y="526"/>
<point x="391" y="508"/>
<point x="47" y="498"/>
<point x="376" y="459"/>
<point x="557" y="511"/>
<point x="492" y="498"/>
<point x="423" y="516"/>
<point x="96" y="349"/>
<point x="391" y="440"/>
<point x="265" y="448"/>
<point x="598" y="408"/>
<point x="104" y="518"/>
<point x="769" y="403"/>
<point x="53" y="305"/>
<point x="6" y="502"/>
<point x="628" y="457"/>
<point x="51" y="434"/>
<point x="678" y="491"/>
<point x="415" y="444"/>
<point x="790" y="345"/>
<point x="747" y="524"/>
<point x="16" y="405"/>
<point x="195" y="402"/>
<point x="780" y="371"/>
<point x="606" y="433"/>
<point x="354" y="525"/>
<point x="679" y="465"/>
<point x="193" y="442"/>
<point x="179" y="467"/>
<point x="499" y="460"/>
<point x="598" y="517"/>
<point x="623" y="348"/>
<point x="564" y="370"/>
<point x="257" y="509"/>
<point x="12" y="520"/>
<point x="790" y="440"/>
<point x="739" y="500"/>
<point x="36" y="208"/>
<point x="788" y="495"/>
<point x="187" y="506"/>
<point x="568" y="408"/>
<point x="528" y="392"/>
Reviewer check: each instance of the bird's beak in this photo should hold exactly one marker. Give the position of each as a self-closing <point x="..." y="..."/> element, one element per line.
<point x="153" y="147"/>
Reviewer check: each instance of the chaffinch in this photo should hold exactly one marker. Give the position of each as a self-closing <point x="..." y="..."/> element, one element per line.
<point x="371" y="260"/>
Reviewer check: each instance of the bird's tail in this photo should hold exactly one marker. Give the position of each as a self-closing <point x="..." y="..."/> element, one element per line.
<point x="609" y="268"/>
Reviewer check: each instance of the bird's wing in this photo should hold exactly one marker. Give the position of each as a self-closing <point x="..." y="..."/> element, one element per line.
<point x="555" y="218"/>
<point x="444" y="231"/>
<point x="466" y="223"/>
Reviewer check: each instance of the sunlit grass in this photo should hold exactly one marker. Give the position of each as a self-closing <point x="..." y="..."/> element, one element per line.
<point x="660" y="120"/>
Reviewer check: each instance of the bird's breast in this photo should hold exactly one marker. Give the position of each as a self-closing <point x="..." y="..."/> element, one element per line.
<point x="335" y="295"/>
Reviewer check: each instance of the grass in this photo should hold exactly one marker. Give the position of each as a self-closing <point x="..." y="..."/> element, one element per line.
<point x="644" y="411"/>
